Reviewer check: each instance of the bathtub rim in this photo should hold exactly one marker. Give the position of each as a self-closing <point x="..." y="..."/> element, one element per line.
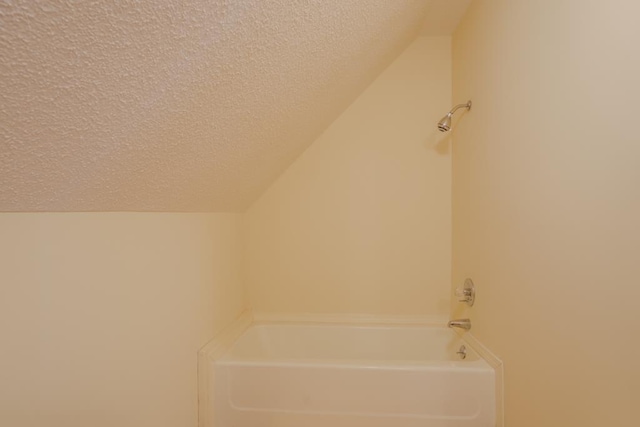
<point x="479" y="365"/>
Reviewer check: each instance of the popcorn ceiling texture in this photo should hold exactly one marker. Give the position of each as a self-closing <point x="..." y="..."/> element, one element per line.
<point x="159" y="105"/>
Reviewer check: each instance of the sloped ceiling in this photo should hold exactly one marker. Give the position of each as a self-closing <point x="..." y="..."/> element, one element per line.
<point x="194" y="105"/>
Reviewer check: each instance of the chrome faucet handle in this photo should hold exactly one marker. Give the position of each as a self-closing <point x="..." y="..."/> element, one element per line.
<point x="467" y="293"/>
<point x="463" y="294"/>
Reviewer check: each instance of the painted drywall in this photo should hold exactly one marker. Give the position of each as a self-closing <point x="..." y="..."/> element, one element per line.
<point x="443" y="17"/>
<point x="196" y="105"/>
<point x="102" y="315"/>
<point x="360" y="223"/>
<point x="546" y="205"/>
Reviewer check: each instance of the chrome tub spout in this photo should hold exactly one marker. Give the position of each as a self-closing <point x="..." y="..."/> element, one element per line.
<point x="460" y="323"/>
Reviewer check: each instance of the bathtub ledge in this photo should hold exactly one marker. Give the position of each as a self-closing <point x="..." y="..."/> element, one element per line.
<point x="211" y="351"/>
<point x="497" y="365"/>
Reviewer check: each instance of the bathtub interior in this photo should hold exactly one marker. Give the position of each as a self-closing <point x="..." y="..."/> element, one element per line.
<point x="348" y="344"/>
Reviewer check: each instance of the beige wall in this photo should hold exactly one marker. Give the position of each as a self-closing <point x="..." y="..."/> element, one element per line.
<point x="101" y="315"/>
<point x="360" y="223"/>
<point x="546" y="203"/>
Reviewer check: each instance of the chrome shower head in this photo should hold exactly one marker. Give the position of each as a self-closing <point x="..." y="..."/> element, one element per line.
<point x="444" y="125"/>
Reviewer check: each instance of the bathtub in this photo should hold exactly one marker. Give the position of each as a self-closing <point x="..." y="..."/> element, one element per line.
<point x="320" y="375"/>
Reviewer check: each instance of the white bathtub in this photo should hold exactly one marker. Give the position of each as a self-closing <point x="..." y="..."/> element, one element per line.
<point x="301" y="375"/>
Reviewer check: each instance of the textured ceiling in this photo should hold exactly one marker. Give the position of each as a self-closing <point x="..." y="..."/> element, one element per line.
<point x="194" y="105"/>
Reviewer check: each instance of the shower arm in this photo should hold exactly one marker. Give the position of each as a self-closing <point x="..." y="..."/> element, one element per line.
<point x="457" y="107"/>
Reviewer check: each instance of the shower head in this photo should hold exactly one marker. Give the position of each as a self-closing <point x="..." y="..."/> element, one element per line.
<point x="444" y="125"/>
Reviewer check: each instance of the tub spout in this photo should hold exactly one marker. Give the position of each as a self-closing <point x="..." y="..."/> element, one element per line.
<point x="460" y="323"/>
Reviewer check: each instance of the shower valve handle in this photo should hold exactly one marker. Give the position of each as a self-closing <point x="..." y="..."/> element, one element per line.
<point x="467" y="293"/>
<point x="463" y="294"/>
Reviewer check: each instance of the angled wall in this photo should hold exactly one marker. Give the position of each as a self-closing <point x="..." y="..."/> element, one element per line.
<point x="102" y="315"/>
<point x="546" y="203"/>
<point x="360" y="223"/>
